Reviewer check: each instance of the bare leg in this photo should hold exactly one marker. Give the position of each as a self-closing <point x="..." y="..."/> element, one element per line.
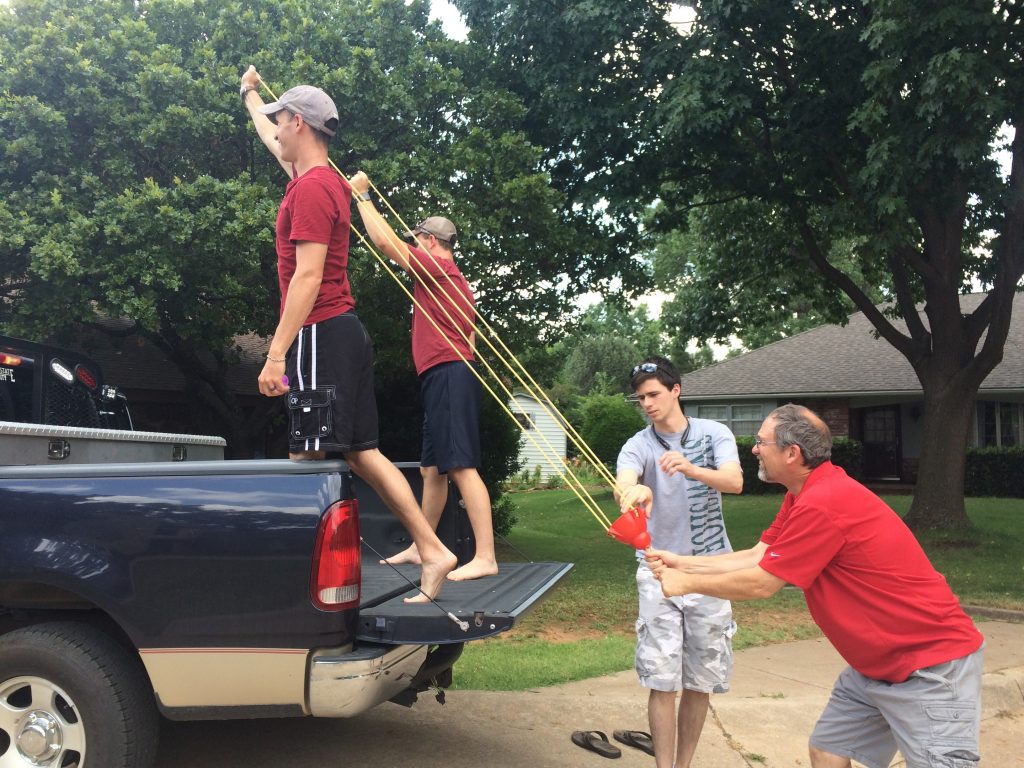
<point x="435" y="494"/>
<point x="478" y="508"/>
<point x="822" y="759"/>
<point x="693" y="711"/>
<point x="387" y="480"/>
<point x="661" y="714"/>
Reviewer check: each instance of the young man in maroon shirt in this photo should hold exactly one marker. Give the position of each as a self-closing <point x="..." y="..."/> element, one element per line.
<point x="443" y="323"/>
<point x="914" y="677"/>
<point x="319" y="343"/>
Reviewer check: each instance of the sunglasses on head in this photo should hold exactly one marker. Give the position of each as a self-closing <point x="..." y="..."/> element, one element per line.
<point x="648" y="368"/>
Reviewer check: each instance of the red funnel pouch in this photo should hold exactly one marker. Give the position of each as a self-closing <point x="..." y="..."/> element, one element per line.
<point x="631" y="529"/>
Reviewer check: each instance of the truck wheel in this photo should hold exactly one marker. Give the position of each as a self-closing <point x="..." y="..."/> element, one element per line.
<point x="70" y="697"/>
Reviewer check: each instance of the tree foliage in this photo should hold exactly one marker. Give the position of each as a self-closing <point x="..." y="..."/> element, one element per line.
<point x="132" y="185"/>
<point x="600" y="364"/>
<point x="855" y="138"/>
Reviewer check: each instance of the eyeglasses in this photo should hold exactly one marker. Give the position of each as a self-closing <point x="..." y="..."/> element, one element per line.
<point x="759" y="442"/>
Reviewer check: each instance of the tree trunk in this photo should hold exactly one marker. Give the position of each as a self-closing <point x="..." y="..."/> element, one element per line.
<point x="939" y="493"/>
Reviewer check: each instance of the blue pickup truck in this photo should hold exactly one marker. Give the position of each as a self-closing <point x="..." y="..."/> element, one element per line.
<point x="212" y="590"/>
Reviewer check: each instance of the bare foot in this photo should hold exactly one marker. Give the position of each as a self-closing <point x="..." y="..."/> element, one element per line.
<point x="474" y="569"/>
<point x="432" y="577"/>
<point x="411" y="555"/>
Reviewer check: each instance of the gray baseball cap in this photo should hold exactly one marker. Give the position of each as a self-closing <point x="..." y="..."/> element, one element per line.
<point x="439" y="227"/>
<point x="315" y="106"/>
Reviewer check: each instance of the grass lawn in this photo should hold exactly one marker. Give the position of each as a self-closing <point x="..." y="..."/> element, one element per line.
<point x="585" y="628"/>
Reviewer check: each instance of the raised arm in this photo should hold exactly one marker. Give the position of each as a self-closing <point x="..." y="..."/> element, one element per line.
<point x="266" y="129"/>
<point x="380" y="232"/>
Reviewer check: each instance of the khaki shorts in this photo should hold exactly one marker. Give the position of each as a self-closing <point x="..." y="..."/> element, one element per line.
<point x="933" y="717"/>
<point x="682" y="642"/>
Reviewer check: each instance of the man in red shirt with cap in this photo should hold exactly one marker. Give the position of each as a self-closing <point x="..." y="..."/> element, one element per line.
<point x="443" y="323"/>
<point x="320" y="347"/>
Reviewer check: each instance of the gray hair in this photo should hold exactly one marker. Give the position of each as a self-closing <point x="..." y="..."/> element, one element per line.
<point x="802" y="427"/>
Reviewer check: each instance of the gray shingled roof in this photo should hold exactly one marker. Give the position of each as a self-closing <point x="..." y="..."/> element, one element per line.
<point x="839" y="361"/>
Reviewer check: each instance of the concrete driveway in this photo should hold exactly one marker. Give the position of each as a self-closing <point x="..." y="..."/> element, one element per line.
<point x="778" y="692"/>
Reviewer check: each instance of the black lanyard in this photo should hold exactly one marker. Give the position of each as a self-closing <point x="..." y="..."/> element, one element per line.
<point x="664" y="444"/>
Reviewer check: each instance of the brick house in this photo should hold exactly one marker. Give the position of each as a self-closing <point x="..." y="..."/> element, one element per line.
<point x="861" y="386"/>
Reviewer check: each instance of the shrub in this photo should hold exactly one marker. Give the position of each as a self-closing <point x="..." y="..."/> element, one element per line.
<point x="995" y="472"/>
<point x="846" y="453"/>
<point x="608" y="422"/>
<point x="499" y="456"/>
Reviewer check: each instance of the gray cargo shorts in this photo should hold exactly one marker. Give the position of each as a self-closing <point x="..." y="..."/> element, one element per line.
<point x="682" y="642"/>
<point x="933" y="717"/>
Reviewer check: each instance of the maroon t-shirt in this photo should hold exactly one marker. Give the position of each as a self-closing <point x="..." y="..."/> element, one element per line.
<point x="868" y="583"/>
<point x="317" y="207"/>
<point x="450" y="292"/>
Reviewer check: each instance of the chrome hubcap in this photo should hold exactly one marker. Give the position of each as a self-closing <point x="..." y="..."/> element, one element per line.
<point x="40" y="726"/>
<point x="40" y="738"/>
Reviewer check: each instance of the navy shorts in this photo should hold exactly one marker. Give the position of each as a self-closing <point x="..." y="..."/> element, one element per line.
<point x="331" y="405"/>
<point x="451" y="417"/>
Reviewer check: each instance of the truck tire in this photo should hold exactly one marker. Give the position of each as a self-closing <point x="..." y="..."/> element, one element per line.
<point x="71" y="697"/>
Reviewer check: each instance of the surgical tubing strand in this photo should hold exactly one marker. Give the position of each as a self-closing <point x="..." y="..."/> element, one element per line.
<point x="581" y="491"/>
<point x="538" y="395"/>
<point x="535" y="391"/>
<point x="550" y="453"/>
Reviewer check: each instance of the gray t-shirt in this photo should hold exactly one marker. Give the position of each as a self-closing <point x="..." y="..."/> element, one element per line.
<point x="686" y="515"/>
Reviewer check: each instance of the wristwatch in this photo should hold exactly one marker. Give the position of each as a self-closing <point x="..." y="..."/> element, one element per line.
<point x="363" y="196"/>
<point x="245" y="89"/>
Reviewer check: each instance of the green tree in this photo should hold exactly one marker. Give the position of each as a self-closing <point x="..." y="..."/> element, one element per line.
<point x="601" y="364"/>
<point x="863" y="125"/>
<point x="713" y="300"/>
<point x="610" y="339"/>
<point x="132" y="185"/>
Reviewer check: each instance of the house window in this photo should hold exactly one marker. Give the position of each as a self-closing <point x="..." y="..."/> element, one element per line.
<point x="999" y="424"/>
<point x="741" y="419"/>
<point x="746" y="419"/>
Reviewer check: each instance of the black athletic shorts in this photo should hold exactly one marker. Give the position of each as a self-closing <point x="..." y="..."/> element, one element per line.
<point x="331" y="406"/>
<point x="451" y="417"/>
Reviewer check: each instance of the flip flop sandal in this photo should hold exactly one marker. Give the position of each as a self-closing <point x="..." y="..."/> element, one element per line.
<point x="639" y="739"/>
<point x="596" y="741"/>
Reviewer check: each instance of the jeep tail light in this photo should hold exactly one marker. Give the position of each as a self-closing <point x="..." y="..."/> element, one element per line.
<point x="336" y="569"/>
<point x="11" y="360"/>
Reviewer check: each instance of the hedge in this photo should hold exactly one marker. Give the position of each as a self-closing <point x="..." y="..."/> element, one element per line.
<point x="995" y="472"/>
<point x="846" y="453"/>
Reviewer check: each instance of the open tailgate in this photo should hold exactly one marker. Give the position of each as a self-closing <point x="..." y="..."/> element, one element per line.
<point x="489" y="605"/>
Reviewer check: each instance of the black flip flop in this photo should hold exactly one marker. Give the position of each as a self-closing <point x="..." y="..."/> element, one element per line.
<point x="639" y="739"/>
<point x="596" y="741"/>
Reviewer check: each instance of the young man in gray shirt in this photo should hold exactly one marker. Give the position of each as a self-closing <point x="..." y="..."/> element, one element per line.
<point x="676" y="470"/>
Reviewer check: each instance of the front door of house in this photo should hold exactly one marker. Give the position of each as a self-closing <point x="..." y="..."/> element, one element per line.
<point x="883" y="456"/>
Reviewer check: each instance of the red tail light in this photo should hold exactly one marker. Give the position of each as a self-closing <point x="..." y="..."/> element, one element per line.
<point x="86" y="376"/>
<point x="336" y="570"/>
<point x="11" y="360"/>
